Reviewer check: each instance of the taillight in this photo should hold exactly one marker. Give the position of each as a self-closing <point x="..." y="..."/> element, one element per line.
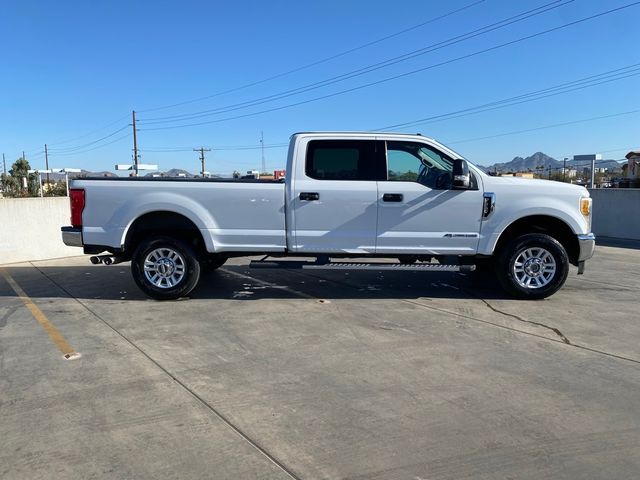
<point x="76" y="197"/>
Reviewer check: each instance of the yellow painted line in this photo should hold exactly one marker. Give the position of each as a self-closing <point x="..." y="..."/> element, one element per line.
<point x="54" y="334"/>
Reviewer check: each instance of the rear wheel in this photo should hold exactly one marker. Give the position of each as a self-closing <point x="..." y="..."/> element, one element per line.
<point x="533" y="266"/>
<point x="165" y="268"/>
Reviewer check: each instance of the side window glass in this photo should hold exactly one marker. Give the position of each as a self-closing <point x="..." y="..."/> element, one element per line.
<point x="416" y="162"/>
<point x="402" y="166"/>
<point x="345" y="160"/>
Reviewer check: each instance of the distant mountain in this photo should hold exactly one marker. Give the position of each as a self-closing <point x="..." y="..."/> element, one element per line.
<point x="101" y="174"/>
<point x="519" y="164"/>
<point x="174" y="172"/>
<point x="85" y="173"/>
<point x="539" y="159"/>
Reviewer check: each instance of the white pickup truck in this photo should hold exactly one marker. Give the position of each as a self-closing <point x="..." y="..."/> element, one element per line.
<point x="346" y="196"/>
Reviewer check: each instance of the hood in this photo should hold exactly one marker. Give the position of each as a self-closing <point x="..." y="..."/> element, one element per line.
<point x="541" y="185"/>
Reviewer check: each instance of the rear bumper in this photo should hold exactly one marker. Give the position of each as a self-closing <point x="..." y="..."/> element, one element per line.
<point x="587" y="244"/>
<point x="72" y="236"/>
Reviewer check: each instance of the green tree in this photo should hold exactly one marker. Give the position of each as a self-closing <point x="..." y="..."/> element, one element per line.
<point x="9" y="185"/>
<point x="13" y="184"/>
<point x="57" y="189"/>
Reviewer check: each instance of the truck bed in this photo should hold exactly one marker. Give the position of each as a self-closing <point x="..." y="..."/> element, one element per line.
<point x="232" y="215"/>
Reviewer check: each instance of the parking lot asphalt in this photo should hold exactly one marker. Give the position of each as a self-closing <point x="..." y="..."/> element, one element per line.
<point x="289" y="374"/>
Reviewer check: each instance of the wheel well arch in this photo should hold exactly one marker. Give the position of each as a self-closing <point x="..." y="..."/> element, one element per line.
<point x="547" y="224"/>
<point x="165" y="223"/>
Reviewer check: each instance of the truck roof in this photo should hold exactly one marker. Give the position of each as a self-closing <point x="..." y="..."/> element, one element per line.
<point x="364" y="133"/>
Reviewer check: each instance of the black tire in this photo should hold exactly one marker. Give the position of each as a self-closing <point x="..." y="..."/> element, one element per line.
<point x="212" y="262"/>
<point x="532" y="266"/>
<point x="173" y="269"/>
<point x="484" y="265"/>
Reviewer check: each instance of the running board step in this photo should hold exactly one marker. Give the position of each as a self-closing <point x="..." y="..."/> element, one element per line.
<point x="293" y="264"/>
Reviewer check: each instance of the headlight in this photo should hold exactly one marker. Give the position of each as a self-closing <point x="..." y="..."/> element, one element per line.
<point x="585" y="209"/>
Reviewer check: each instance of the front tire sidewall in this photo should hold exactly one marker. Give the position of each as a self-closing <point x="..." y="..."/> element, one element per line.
<point x="189" y="280"/>
<point x="212" y="262"/>
<point x="511" y="253"/>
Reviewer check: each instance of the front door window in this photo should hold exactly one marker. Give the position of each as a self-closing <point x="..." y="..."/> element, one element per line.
<point x="415" y="162"/>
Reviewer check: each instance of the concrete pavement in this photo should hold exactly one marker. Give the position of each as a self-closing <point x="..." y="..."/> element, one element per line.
<point x="281" y="374"/>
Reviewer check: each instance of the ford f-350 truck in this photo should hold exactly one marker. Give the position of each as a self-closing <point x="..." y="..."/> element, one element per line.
<point x="346" y="196"/>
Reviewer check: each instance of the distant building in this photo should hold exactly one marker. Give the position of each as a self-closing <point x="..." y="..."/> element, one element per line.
<point x="632" y="171"/>
<point x="633" y="165"/>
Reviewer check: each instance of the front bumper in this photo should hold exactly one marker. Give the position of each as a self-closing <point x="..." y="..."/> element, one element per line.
<point x="587" y="244"/>
<point x="72" y="237"/>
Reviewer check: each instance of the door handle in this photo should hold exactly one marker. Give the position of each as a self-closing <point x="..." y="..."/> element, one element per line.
<point x="309" y="196"/>
<point x="392" y="197"/>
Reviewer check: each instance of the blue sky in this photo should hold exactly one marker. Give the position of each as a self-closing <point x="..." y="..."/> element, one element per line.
<point x="71" y="68"/>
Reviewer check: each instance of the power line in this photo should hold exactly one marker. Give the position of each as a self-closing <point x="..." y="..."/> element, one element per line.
<point x="127" y="135"/>
<point x="62" y="142"/>
<point x="395" y="77"/>
<point x="516" y="132"/>
<point x="364" y="70"/>
<point x="318" y="62"/>
<point x="282" y="145"/>
<point x="83" y="146"/>
<point x="215" y="149"/>
<point x="90" y="133"/>
<point x="562" y="88"/>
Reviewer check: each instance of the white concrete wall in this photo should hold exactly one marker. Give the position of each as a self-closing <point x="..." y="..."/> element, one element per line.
<point x="616" y="212"/>
<point x="30" y="229"/>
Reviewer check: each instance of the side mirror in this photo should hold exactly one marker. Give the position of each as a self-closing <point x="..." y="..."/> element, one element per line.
<point x="461" y="179"/>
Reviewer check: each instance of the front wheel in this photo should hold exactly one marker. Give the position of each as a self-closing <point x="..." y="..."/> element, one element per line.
<point x="212" y="262"/>
<point x="165" y="268"/>
<point x="533" y="266"/>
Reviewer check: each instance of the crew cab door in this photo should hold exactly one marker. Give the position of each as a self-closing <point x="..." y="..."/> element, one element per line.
<point x="418" y="211"/>
<point x="335" y="196"/>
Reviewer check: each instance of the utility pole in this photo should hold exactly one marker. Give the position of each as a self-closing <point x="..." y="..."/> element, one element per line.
<point x="135" y="144"/>
<point x="23" y="157"/>
<point x="4" y="176"/>
<point x="264" y="169"/>
<point x="564" y="170"/>
<point x="593" y="172"/>
<point x="202" y="150"/>
<point x="46" y="163"/>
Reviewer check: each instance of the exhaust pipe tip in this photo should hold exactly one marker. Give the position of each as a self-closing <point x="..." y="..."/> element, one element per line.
<point x="95" y="260"/>
<point x="108" y="260"/>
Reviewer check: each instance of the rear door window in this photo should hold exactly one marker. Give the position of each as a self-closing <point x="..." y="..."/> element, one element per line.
<point x="346" y="160"/>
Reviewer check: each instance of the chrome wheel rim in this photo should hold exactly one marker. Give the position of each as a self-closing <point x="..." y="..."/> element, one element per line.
<point x="534" y="268"/>
<point x="164" y="267"/>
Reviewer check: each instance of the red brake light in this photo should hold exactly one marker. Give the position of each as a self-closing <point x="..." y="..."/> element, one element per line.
<point x="76" y="197"/>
